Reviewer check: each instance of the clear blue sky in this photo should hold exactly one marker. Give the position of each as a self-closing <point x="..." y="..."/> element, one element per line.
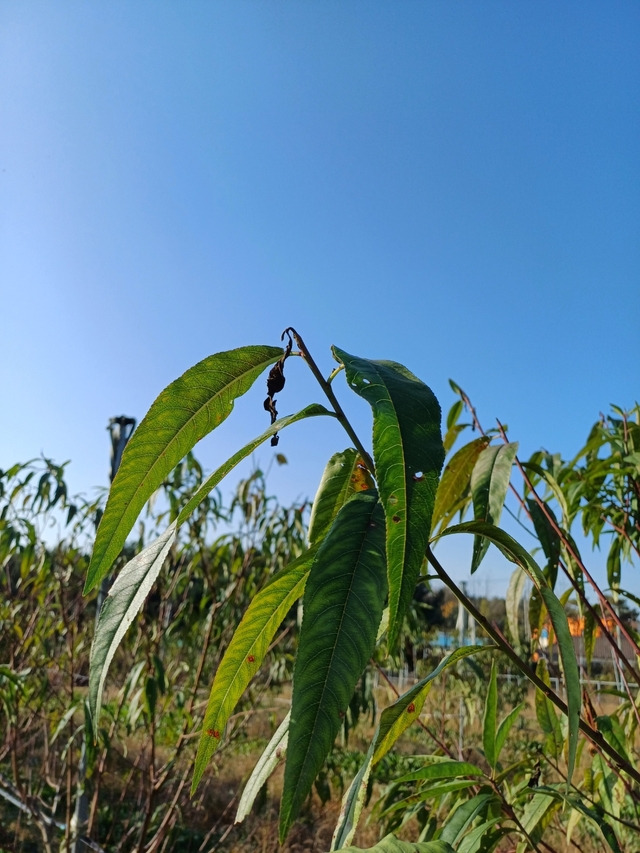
<point x="451" y="185"/>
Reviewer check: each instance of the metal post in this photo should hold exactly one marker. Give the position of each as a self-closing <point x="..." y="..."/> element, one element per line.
<point x="120" y="430"/>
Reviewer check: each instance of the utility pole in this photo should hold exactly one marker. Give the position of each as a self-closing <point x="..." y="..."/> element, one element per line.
<point x="120" y="431"/>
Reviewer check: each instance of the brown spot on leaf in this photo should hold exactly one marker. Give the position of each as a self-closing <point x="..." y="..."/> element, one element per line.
<point x="411" y="708"/>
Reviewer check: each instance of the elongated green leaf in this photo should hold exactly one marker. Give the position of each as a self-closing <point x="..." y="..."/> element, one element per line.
<point x="455" y="481"/>
<point x="613" y="566"/>
<point x="431" y="792"/>
<point x="272" y="756"/>
<point x="513" y="600"/>
<point x="342" y="608"/>
<point x="489" y="484"/>
<point x="505" y="727"/>
<point x="442" y="770"/>
<point x="408" y="455"/>
<point x="546" y="713"/>
<point x="463" y="815"/>
<point x="515" y="552"/>
<point x="246" y="652"/>
<point x="186" y="411"/>
<point x="476" y="840"/>
<point x="394" y="720"/>
<point x="390" y="844"/>
<point x="548" y="538"/>
<point x="125" y="599"/>
<point x="491" y="719"/>
<point x="594" y="812"/>
<point x="314" y="410"/>
<point x="344" y="475"/>
<point x="537" y="814"/>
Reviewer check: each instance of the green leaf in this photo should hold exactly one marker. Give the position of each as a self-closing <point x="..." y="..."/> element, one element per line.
<point x="448" y="769"/>
<point x="125" y="599"/>
<point x="536" y="814"/>
<point x="489" y="483"/>
<point x="475" y="841"/>
<point x="246" y="652"/>
<point x="314" y="410"/>
<point x="344" y="475"/>
<point x="505" y="727"/>
<point x="390" y="844"/>
<point x="547" y="536"/>
<point x="455" y="481"/>
<point x="513" y="600"/>
<point x="342" y="608"/>
<point x="515" y="552"/>
<point x="490" y="720"/>
<point x="464" y="815"/>
<point x="186" y="411"/>
<point x="394" y="720"/>
<point x="546" y="713"/>
<point x="272" y="756"/>
<point x="594" y="812"/>
<point x="613" y="566"/>
<point x="408" y="455"/>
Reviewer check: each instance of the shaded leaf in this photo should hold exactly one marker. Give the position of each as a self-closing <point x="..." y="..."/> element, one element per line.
<point x="123" y="602"/>
<point x="489" y="483"/>
<point x="187" y="410"/>
<point x="408" y="455"/>
<point x="548" y="538"/>
<point x="342" y="608"/>
<point x="246" y="652"/>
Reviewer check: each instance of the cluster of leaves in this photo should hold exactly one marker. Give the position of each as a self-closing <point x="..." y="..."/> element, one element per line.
<point x="371" y="525"/>
<point x="123" y="775"/>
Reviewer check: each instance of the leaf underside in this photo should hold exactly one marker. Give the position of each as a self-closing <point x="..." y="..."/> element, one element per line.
<point x="120" y="607"/>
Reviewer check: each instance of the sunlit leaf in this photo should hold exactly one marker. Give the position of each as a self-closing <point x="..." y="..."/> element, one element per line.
<point x="187" y="410"/>
<point x="390" y="844"/>
<point x="246" y="652"/>
<point x="516" y="553"/>
<point x="342" y="608"/>
<point x="463" y="815"/>
<point x="123" y="602"/>
<point x="454" y="484"/>
<point x="272" y="756"/>
<point x="408" y="455"/>
<point x="344" y="475"/>
<point x="490" y="719"/>
<point x="314" y="410"/>
<point x="394" y="721"/>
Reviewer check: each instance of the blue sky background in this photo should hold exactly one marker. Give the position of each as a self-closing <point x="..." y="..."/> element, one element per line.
<point x="451" y="185"/>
